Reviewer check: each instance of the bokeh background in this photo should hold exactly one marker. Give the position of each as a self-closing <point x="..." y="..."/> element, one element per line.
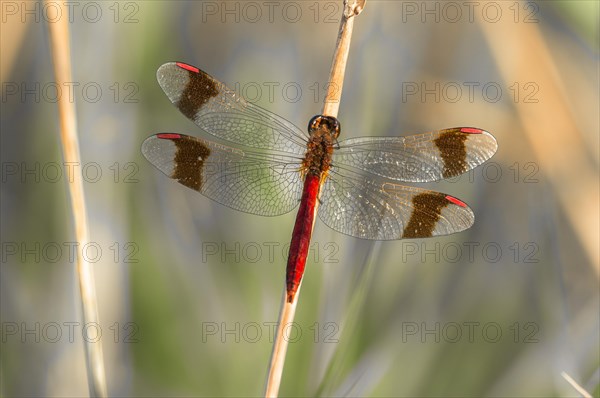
<point x="188" y="289"/>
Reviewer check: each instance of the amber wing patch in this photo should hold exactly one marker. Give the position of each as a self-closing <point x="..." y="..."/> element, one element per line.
<point x="189" y="162"/>
<point x="426" y="213"/>
<point x="451" y="145"/>
<point x="199" y="90"/>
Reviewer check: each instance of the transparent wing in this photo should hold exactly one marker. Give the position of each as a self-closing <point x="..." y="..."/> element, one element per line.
<point x="219" y="111"/>
<point x="417" y="158"/>
<point x="368" y="207"/>
<point x="266" y="184"/>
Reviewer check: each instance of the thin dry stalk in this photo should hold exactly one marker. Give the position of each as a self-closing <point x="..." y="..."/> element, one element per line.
<point x="61" y="52"/>
<point x="338" y="66"/>
<point x="286" y="317"/>
<point x="550" y="125"/>
<point x="330" y="108"/>
<point x="576" y="385"/>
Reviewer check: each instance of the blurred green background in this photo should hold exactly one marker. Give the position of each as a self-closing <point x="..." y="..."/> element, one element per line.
<point x="189" y="290"/>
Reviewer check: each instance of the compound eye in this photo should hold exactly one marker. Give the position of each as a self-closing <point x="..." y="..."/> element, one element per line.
<point x="314" y="123"/>
<point x="337" y="128"/>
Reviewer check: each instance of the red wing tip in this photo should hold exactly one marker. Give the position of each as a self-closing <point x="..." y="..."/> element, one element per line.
<point x="168" y="136"/>
<point x="456" y="201"/>
<point x="188" y="67"/>
<point x="471" y="130"/>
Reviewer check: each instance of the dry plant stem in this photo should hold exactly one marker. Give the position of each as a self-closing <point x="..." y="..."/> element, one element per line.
<point x="59" y="41"/>
<point x="286" y="316"/>
<point x="330" y="108"/>
<point x="556" y="140"/>
<point x="340" y="57"/>
<point x="576" y="385"/>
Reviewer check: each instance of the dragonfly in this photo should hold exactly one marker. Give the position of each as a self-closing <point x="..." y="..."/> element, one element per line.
<point x="268" y="166"/>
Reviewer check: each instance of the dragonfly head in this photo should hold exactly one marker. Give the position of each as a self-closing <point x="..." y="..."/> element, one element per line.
<point x="327" y="123"/>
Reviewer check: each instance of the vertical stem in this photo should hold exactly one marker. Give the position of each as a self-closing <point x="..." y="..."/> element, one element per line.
<point x="61" y="51"/>
<point x="338" y="66"/>
<point x="330" y="108"/>
<point x="286" y="316"/>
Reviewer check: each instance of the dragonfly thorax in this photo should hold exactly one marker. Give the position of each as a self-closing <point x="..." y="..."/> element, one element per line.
<point x="323" y="131"/>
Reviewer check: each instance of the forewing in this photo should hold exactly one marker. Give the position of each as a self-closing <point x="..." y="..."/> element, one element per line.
<point x="369" y="207"/>
<point x="252" y="182"/>
<point x="219" y="111"/>
<point x="417" y="158"/>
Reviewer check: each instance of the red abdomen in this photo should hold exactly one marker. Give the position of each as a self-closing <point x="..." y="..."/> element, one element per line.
<point x="301" y="235"/>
